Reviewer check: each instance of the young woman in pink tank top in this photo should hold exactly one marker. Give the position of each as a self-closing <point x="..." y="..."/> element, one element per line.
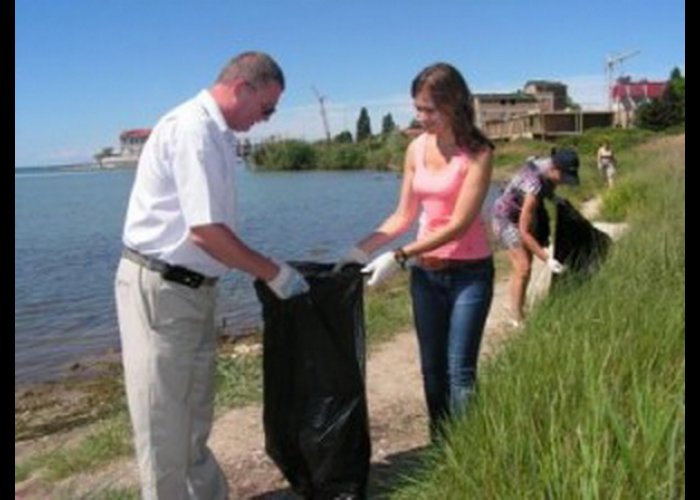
<point x="447" y="173"/>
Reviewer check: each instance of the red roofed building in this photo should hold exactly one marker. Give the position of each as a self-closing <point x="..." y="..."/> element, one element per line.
<point x="130" y="145"/>
<point x="132" y="141"/>
<point x="627" y="96"/>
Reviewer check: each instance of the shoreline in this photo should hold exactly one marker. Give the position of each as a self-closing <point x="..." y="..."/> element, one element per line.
<point x="91" y="390"/>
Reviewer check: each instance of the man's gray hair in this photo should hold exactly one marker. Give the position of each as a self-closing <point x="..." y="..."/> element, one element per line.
<point x="256" y="68"/>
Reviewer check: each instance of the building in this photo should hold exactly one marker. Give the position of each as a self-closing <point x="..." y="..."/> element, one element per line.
<point x="548" y="125"/>
<point x="538" y="111"/>
<point x="131" y="143"/>
<point x="627" y="96"/>
<point x="498" y="107"/>
<point x="537" y="96"/>
<point x="551" y="96"/>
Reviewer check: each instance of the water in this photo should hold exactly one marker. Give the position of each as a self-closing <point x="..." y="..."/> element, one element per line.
<point x="67" y="245"/>
<point x="68" y="240"/>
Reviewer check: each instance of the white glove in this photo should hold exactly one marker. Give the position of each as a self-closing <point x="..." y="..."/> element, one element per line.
<point x="555" y="266"/>
<point x="355" y="255"/>
<point x="382" y="268"/>
<point x="288" y="282"/>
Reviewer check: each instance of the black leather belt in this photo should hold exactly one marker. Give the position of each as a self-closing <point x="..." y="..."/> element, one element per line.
<point x="169" y="272"/>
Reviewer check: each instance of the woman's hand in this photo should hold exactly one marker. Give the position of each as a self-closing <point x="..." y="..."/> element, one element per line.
<point x="381" y="268"/>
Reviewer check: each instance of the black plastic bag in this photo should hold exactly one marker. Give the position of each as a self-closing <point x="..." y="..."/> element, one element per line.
<point x="578" y="244"/>
<point x="315" y="408"/>
<point x="540" y="225"/>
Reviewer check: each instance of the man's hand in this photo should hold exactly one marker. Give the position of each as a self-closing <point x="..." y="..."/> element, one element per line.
<point x="381" y="268"/>
<point x="288" y="282"/>
<point x="354" y="255"/>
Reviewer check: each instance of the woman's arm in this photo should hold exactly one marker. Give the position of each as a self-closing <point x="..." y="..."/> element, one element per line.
<point x="527" y="215"/>
<point x="404" y="214"/>
<point x="471" y="197"/>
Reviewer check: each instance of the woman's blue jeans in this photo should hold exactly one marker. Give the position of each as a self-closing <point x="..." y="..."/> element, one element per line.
<point x="449" y="310"/>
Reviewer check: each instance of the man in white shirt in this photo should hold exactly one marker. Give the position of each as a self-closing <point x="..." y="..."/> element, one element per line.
<point x="179" y="237"/>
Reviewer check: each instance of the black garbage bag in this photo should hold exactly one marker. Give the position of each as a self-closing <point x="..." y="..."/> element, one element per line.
<point x="540" y="225"/>
<point x="578" y="244"/>
<point x="315" y="408"/>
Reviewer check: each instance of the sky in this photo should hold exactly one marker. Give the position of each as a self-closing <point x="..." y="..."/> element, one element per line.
<point x="85" y="70"/>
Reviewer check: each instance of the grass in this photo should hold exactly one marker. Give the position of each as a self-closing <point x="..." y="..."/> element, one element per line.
<point x="388" y="310"/>
<point x="238" y="381"/>
<point x="110" y="440"/>
<point x="588" y="402"/>
<point x="509" y="155"/>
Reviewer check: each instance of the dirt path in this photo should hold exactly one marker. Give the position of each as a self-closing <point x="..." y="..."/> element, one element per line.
<point x="398" y="429"/>
<point x="398" y="423"/>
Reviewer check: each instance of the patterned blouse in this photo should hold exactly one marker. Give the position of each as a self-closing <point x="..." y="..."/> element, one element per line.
<point x="528" y="180"/>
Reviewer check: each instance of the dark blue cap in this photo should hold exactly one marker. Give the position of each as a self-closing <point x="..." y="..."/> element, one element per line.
<point x="566" y="160"/>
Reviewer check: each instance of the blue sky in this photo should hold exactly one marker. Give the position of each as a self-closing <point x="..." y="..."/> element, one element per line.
<point x="87" y="69"/>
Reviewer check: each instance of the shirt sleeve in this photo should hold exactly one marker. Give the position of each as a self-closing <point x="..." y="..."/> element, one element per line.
<point x="531" y="183"/>
<point x="202" y="177"/>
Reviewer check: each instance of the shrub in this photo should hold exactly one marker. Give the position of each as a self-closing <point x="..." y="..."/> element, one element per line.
<point x="285" y="155"/>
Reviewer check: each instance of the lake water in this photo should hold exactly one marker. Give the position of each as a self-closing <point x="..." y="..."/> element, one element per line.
<point x="68" y="240"/>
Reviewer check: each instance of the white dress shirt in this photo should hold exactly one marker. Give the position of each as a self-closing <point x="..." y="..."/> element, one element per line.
<point x="185" y="178"/>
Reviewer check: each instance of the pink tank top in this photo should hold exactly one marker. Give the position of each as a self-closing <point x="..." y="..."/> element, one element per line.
<point x="437" y="192"/>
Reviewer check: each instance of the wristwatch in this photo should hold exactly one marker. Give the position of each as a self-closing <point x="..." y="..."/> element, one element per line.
<point x="401" y="257"/>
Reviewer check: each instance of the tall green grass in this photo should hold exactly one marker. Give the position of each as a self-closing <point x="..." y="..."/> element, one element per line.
<point x="589" y="401"/>
<point x="111" y="440"/>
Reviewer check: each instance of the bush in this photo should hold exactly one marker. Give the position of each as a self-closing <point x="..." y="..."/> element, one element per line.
<point x="285" y="155"/>
<point x="376" y="153"/>
<point x="345" y="137"/>
<point x="340" y="157"/>
<point x="669" y="110"/>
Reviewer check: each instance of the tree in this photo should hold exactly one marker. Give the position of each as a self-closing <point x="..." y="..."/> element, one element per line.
<point x="676" y="95"/>
<point x="388" y="124"/>
<point x="572" y="105"/>
<point x="652" y="115"/>
<point x="103" y="153"/>
<point x="669" y="109"/>
<point x="364" y="128"/>
<point x="345" y="137"/>
<point x="415" y="124"/>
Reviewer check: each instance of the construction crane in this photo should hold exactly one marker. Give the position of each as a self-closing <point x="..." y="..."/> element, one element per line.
<point x="611" y="62"/>
<point x="321" y="100"/>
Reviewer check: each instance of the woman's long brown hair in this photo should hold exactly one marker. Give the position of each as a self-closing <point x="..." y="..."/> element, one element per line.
<point x="451" y="95"/>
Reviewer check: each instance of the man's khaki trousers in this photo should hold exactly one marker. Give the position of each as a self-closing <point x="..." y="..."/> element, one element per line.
<point x="169" y="354"/>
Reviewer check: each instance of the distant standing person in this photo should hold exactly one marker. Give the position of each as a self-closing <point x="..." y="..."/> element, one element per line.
<point x="179" y="237"/>
<point x="606" y="163"/>
<point x="515" y="216"/>
<point x="447" y="173"/>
